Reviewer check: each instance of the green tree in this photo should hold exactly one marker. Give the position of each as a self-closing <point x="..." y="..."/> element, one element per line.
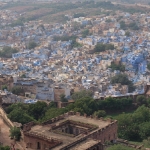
<point x="23" y="76"/>
<point x="63" y="98"/>
<point x="4" y="147"/>
<point x="114" y="66"/>
<point x="100" y="113"/>
<point x="17" y="90"/>
<point x="15" y="133"/>
<point x="74" y="43"/>
<point x="17" y="106"/>
<point x="120" y="78"/>
<point x="52" y="104"/>
<point x="112" y="104"/>
<point x="81" y="94"/>
<point x="133" y="26"/>
<point x="18" y="115"/>
<point x="7" y="52"/>
<point x="86" y="104"/>
<point x="148" y="66"/>
<point x="102" y="47"/>
<point x="148" y="102"/>
<point x="134" y="126"/>
<point x="99" y="47"/>
<point x="52" y="113"/>
<point x="37" y="110"/>
<point x="109" y="47"/>
<point x="85" y="33"/>
<point x="32" y="45"/>
<point x="141" y="99"/>
<point x="4" y="87"/>
<point x="78" y="110"/>
<point x="123" y="25"/>
<point x="144" y="130"/>
<point x="127" y="33"/>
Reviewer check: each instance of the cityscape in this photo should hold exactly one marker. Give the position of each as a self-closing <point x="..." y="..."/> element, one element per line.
<point x="73" y="79"/>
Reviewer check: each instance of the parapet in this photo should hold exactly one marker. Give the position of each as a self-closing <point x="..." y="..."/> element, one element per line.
<point x="68" y="115"/>
<point x="27" y="127"/>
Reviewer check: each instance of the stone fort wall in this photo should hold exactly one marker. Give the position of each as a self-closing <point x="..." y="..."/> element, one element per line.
<point x="3" y="115"/>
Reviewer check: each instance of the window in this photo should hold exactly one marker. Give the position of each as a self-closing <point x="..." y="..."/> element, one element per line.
<point x="38" y="145"/>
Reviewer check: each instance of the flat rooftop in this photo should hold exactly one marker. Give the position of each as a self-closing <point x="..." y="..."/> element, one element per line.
<point x="47" y="131"/>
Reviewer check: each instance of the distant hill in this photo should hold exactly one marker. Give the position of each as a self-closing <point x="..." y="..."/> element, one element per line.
<point x="132" y="1"/>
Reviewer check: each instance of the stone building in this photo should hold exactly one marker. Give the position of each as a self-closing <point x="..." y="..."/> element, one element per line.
<point x="70" y="132"/>
<point x="59" y="90"/>
<point x="41" y="89"/>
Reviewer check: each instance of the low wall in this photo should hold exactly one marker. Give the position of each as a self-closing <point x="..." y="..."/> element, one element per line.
<point x="3" y="115"/>
<point x="127" y="143"/>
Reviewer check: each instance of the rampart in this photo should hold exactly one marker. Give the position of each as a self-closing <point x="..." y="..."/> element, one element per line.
<point x="3" y="115"/>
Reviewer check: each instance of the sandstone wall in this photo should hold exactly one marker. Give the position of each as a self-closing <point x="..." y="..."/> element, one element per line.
<point x="5" y="118"/>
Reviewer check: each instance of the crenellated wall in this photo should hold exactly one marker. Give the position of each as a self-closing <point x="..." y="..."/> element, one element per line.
<point x="28" y="126"/>
<point x="107" y="133"/>
<point x="45" y="142"/>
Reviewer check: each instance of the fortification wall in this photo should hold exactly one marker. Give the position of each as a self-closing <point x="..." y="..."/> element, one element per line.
<point x="3" y="115"/>
<point x="108" y="133"/>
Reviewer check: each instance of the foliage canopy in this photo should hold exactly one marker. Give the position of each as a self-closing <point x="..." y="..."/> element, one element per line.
<point x="15" y="133"/>
<point x="100" y="47"/>
<point x="114" y="66"/>
<point x="32" y="45"/>
<point x="135" y="126"/>
<point x="40" y="111"/>
<point x="123" y="80"/>
<point x="7" y="52"/>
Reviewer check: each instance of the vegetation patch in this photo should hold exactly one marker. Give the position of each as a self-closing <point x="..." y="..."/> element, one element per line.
<point x="7" y="52"/>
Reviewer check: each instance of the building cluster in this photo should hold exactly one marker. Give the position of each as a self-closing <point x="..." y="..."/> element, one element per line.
<point x="7" y="17"/>
<point x="55" y="66"/>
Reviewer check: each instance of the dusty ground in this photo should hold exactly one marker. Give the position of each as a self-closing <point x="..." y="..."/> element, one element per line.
<point x="5" y="139"/>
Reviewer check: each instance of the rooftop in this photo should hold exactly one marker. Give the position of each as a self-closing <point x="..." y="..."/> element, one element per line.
<point x="68" y="129"/>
